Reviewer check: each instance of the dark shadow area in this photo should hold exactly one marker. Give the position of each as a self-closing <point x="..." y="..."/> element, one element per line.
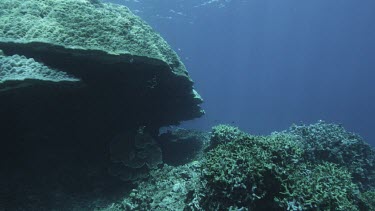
<point x="54" y="147"/>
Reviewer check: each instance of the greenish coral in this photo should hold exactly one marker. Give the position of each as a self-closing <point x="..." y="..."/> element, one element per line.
<point x="18" y="71"/>
<point x="274" y="173"/>
<point x="246" y="171"/>
<point x="19" y="68"/>
<point x="225" y="133"/>
<point x="96" y="43"/>
<point x="325" y="142"/>
<point x="80" y="24"/>
<point x="368" y="200"/>
<point x="325" y="187"/>
<point x="167" y="188"/>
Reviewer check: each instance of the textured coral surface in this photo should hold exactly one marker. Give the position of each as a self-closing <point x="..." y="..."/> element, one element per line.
<point x="83" y="25"/>
<point x="19" y="68"/>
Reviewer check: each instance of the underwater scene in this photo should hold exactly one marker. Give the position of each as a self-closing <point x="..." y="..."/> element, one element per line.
<point x="187" y="105"/>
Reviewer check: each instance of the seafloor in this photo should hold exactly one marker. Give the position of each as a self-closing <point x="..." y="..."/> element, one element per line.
<point x="307" y="167"/>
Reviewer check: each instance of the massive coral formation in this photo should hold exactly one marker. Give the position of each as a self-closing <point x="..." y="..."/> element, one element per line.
<point x="105" y="46"/>
<point x="74" y="75"/>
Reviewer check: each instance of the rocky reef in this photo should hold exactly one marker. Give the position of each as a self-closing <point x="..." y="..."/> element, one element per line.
<point x="281" y="171"/>
<point x="85" y="88"/>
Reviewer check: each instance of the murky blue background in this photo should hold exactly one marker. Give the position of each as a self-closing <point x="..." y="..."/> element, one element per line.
<point x="265" y="64"/>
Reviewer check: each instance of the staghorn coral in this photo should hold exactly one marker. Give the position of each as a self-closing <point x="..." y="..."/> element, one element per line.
<point x="325" y="187"/>
<point x="225" y="133"/>
<point x="246" y="172"/>
<point x="368" y="200"/>
<point x="276" y="173"/>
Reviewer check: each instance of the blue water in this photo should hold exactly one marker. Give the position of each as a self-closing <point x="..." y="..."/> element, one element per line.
<point x="263" y="65"/>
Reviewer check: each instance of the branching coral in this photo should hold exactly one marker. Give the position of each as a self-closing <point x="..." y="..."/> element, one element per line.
<point x="332" y="143"/>
<point x="247" y="171"/>
<point x="325" y="186"/>
<point x="282" y="171"/>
